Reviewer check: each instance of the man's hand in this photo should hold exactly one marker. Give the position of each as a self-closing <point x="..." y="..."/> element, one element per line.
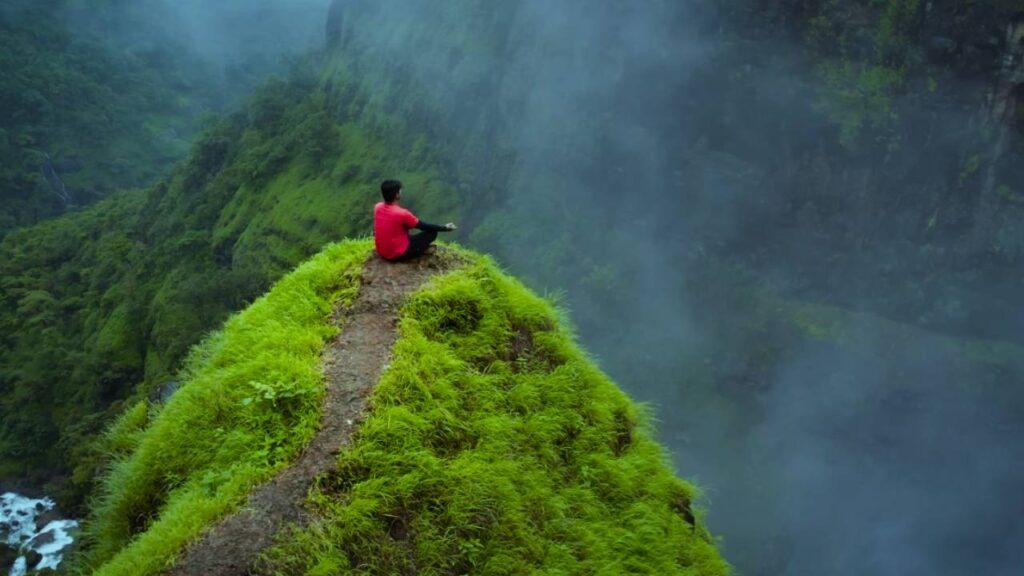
<point x="450" y="226"/>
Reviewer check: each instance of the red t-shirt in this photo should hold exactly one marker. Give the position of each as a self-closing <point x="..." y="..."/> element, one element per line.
<point x="391" y="224"/>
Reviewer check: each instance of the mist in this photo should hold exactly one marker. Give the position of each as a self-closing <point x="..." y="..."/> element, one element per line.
<point x="796" y="235"/>
<point x="843" y="381"/>
<point x="108" y="95"/>
<point x="241" y="42"/>
<point x="219" y="31"/>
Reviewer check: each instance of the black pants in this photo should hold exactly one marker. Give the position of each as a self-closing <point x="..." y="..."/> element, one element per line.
<point x="418" y="244"/>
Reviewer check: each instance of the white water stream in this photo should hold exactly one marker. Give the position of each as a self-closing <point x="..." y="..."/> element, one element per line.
<point x="20" y="530"/>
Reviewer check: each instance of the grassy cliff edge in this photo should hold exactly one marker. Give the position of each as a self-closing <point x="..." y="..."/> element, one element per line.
<point x="492" y="444"/>
<point x="248" y="403"/>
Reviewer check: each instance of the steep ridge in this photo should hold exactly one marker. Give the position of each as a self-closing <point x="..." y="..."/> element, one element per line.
<point x="452" y="426"/>
<point x="250" y="401"/>
<point x="353" y="361"/>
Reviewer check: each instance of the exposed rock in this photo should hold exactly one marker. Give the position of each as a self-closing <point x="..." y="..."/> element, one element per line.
<point x="41" y="539"/>
<point x="7" y="557"/>
<point x="33" y="557"/>
<point x="46" y="517"/>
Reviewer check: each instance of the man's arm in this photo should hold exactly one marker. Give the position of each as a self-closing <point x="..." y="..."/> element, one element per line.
<point x="428" y="227"/>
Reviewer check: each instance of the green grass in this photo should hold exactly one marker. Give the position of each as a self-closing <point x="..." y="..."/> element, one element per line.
<point x="250" y="400"/>
<point x="495" y="446"/>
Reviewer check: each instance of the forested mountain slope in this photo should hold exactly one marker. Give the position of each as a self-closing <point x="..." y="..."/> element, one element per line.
<point x="738" y="200"/>
<point x="80" y="120"/>
<point x="100" y="97"/>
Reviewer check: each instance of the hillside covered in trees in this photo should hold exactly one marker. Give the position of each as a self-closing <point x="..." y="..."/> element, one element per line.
<point x="101" y="97"/>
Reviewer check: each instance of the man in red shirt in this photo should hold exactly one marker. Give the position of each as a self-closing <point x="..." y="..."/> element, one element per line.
<point x="391" y="225"/>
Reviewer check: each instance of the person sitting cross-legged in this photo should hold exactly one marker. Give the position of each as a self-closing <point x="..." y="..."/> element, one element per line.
<point x="392" y="223"/>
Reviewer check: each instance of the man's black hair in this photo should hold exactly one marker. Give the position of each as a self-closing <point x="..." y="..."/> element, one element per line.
<point x="389" y="189"/>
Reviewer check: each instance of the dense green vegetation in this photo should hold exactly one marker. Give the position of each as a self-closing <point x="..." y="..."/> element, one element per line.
<point x="110" y="94"/>
<point x="99" y="303"/>
<point x="106" y="119"/>
<point x="491" y="437"/>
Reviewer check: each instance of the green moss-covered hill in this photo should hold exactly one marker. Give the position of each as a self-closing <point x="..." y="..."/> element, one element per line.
<point x="491" y="437"/>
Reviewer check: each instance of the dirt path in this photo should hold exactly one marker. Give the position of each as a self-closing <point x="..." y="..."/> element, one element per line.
<point x="352" y="364"/>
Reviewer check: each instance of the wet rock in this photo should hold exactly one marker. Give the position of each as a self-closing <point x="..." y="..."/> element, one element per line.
<point x="33" y="557"/>
<point x="7" y="557"/>
<point x="41" y="539"/>
<point x="46" y="517"/>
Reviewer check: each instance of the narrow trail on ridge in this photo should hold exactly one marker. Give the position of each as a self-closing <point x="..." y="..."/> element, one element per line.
<point x="352" y="364"/>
